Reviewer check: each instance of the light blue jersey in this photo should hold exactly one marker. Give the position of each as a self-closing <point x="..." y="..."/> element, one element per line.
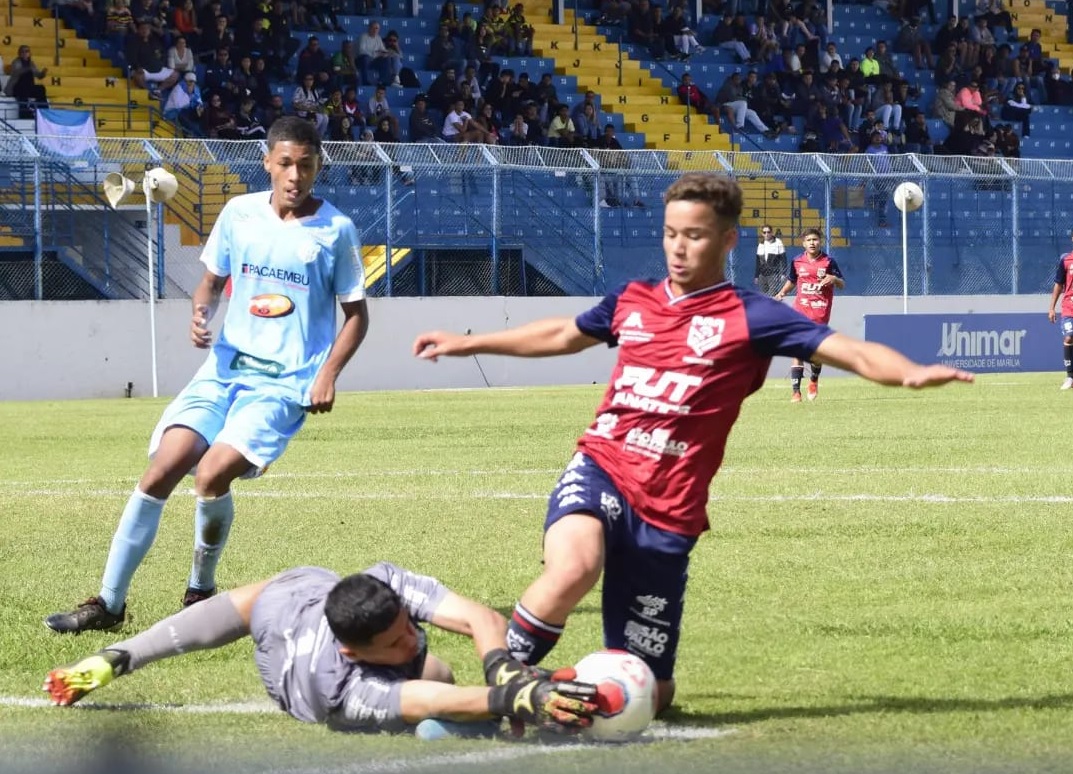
<point x="286" y="280"/>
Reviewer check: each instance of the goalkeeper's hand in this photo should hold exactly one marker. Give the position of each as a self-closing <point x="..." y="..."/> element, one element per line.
<point x="500" y="668"/>
<point x="561" y="706"/>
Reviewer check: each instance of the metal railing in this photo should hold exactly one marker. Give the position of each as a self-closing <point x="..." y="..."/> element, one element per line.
<point x="530" y="220"/>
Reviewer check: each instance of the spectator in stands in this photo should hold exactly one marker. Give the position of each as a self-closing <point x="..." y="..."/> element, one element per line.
<point x="478" y="53"/>
<point x="145" y="11"/>
<point x="258" y="85"/>
<point x="379" y="108"/>
<point x="383" y="131"/>
<point x="644" y="31"/>
<point x="486" y="119"/>
<point x="1019" y="108"/>
<point x="343" y="131"/>
<point x="217" y="121"/>
<point x="947" y="36"/>
<point x="344" y="67"/>
<point x="829" y="55"/>
<point x="614" y="13"/>
<point x="459" y="126"/>
<point x="165" y="20"/>
<point x="870" y="68"/>
<point x="678" y="37"/>
<point x="588" y="126"/>
<point x="725" y="37"/>
<point x="886" y="107"/>
<point x="243" y="80"/>
<point x="620" y="188"/>
<point x="313" y="61"/>
<point x="888" y="70"/>
<point x="469" y="104"/>
<point x="180" y="57"/>
<point x="146" y="59"/>
<point x="516" y="133"/>
<point x="1035" y="48"/>
<point x="443" y="91"/>
<point x="333" y="108"/>
<point x="980" y="36"/>
<point x="119" y="25"/>
<point x="970" y="102"/>
<point x="1007" y="142"/>
<point x="185" y="106"/>
<point x="579" y="108"/>
<point x="911" y="40"/>
<point x="308" y="103"/>
<point x="965" y="137"/>
<point x="852" y="102"/>
<point x="521" y="31"/>
<point x="449" y="19"/>
<point x="546" y="97"/>
<point x="78" y="14"/>
<point x="246" y="122"/>
<point x="1058" y="91"/>
<point x="879" y="187"/>
<point x="218" y="36"/>
<point x="754" y="94"/>
<point x="948" y="67"/>
<point x="562" y="133"/>
<point x="321" y="15"/>
<point x="833" y="135"/>
<point x="273" y="110"/>
<point x="394" y="49"/>
<point x="995" y="16"/>
<point x="945" y="106"/>
<point x="219" y="78"/>
<point x="763" y="42"/>
<point x="352" y="110"/>
<point x="806" y="95"/>
<point x="470" y="77"/>
<point x="423" y="127"/>
<point x="535" y="133"/>
<point x="731" y="98"/>
<point x="523" y="90"/>
<point x="443" y="52"/>
<point x="691" y="95"/>
<point x="500" y="92"/>
<point x="206" y="15"/>
<point x="999" y="71"/>
<point x="917" y="137"/>
<point x="1028" y="70"/>
<point x="374" y="57"/>
<point x="972" y="51"/>
<point x="284" y="44"/>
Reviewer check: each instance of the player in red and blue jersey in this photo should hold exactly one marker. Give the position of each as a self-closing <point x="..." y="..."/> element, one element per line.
<point x="1063" y="287"/>
<point x="632" y="502"/>
<point x="815" y="275"/>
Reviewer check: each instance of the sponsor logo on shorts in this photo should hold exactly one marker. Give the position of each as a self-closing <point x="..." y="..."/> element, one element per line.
<point x="271" y="305"/>
<point x="649" y="640"/>
<point x="650" y="607"/>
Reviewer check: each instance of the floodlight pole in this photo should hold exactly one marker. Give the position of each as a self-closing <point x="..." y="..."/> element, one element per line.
<point x="151" y="264"/>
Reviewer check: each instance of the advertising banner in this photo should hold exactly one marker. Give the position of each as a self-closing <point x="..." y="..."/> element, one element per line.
<point x="984" y="343"/>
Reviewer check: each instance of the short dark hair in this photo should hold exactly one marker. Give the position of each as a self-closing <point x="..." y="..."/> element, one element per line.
<point x="293" y="129"/>
<point x="812" y="232"/>
<point x="360" y="606"/>
<point x="722" y="194"/>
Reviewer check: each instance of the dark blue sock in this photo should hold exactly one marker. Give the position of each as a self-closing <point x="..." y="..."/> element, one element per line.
<point x="796" y="372"/>
<point x="1067" y="355"/>
<point x="530" y="639"/>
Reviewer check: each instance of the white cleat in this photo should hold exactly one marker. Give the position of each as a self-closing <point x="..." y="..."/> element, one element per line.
<point x="1067" y="384"/>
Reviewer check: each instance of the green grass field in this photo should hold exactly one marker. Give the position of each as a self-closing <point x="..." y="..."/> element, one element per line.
<point x="887" y="585"/>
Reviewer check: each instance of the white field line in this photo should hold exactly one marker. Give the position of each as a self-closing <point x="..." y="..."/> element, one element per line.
<point x="941" y="499"/>
<point x="366" y="475"/>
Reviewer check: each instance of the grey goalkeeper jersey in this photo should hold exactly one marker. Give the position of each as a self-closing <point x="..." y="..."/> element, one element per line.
<point x="299" y="659"/>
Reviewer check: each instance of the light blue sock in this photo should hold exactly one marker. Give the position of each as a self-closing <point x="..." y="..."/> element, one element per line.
<point x="212" y="524"/>
<point x="135" y="533"/>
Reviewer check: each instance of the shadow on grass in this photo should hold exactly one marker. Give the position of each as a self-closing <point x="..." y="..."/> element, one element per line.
<point x="912" y="705"/>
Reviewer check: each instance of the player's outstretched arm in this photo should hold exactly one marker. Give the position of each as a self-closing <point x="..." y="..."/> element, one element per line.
<point x="879" y="363"/>
<point x="460" y="615"/>
<point x="563" y="706"/>
<point x="543" y="338"/>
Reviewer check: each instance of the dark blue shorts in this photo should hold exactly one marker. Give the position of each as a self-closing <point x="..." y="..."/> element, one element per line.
<point x="645" y="567"/>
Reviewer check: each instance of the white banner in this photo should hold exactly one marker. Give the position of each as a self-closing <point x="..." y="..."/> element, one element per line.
<point x="66" y="132"/>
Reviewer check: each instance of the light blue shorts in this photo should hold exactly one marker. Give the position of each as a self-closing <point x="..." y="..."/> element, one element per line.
<point x="251" y="417"/>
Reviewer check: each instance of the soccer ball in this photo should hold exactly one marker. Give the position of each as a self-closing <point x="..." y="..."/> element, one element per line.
<point x="626" y="694"/>
<point x="908" y="197"/>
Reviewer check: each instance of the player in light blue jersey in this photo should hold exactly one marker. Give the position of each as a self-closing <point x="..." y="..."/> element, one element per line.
<point x="290" y="257"/>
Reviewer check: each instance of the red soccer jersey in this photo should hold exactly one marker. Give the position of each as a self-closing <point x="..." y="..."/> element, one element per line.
<point x="811" y="300"/>
<point x="685" y="367"/>
<point x="1063" y="275"/>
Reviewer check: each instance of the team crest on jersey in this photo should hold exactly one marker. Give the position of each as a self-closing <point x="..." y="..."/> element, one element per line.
<point x="821" y="273"/>
<point x="605" y="426"/>
<point x="271" y="305"/>
<point x="705" y="334"/>
<point x="633" y="329"/>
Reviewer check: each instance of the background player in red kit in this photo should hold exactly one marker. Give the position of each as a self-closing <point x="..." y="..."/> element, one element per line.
<point x="1063" y="287"/>
<point x="816" y="275"/>
<point x="631" y="503"/>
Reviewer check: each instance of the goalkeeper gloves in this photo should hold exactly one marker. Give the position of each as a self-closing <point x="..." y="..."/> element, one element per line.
<point x="500" y="668"/>
<point x="562" y="706"/>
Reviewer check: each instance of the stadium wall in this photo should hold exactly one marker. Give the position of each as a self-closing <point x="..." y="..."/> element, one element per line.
<point x="87" y="349"/>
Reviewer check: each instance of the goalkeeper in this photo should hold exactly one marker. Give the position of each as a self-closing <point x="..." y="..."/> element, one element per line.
<point x="350" y="653"/>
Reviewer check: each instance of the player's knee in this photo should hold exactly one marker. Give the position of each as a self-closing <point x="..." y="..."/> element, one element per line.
<point x="574" y="575"/>
<point x="212" y="480"/>
<point x="664" y="694"/>
<point x="1067" y="340"/>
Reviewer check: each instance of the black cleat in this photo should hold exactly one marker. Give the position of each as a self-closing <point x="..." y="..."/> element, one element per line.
<point x="193" y="596"/>
<point x="91" y="615"/>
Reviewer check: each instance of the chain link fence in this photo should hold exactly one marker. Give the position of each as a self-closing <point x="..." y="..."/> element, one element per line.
<point x="494" y="220"/>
